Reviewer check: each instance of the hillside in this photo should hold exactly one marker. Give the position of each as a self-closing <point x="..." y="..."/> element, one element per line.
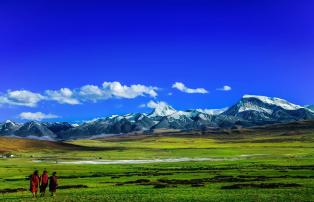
<point x="9" y="144"/>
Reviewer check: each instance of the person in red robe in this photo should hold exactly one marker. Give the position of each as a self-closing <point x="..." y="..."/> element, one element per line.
<point x="34" y="183"/>
<point x="43" y="183"/>
<point x="53" y="183"/>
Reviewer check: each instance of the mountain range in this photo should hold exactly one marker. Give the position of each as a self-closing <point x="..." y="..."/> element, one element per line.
<point x="250" y="111"/>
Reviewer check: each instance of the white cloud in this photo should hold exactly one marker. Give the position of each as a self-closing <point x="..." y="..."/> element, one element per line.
<point x="88" y="90"/>
<point x="152" y="104"/>
<point x="93" y="93"/>
<point x="21" y="98"/>
<point x="36" y="116"/>
<point x="225" y="88"/>
<point x="181" y="87"/>
<point x="142" y="106"/>
<point x="76" y="96"/>
<point x="122" y="91"/>
<point x="62" y="96"/>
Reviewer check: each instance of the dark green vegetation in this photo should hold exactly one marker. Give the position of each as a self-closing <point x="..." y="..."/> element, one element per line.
<point x="262" y="164"/>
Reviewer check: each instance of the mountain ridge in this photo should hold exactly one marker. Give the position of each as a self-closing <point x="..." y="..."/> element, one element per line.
<point x="250" y="110"/>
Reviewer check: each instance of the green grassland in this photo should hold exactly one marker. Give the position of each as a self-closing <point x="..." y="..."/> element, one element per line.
<point x="250" y="166"/>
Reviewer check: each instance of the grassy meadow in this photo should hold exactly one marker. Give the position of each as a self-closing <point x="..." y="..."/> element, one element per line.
<point x="245" y="166"/>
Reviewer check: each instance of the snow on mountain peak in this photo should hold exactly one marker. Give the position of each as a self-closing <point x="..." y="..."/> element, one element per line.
<point x="273" y="101"/>
<point x="212" y="111"/>
<point x="180" y="114"/>
<point x="113" y="116"/>
<point x="196" y="112"/>
<point x="75" y="125"/>
<point x="162" y="109"/>
<point x="9" y="121"/>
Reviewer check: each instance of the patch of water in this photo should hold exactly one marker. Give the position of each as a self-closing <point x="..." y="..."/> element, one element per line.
<point x="137" y="161"/>
<point x="147" y="161"/>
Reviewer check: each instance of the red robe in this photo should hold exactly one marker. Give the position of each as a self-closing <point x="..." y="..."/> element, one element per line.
<point x="53" y="184"/>
<point x="43" y="182"/>
<point x="34" y="183"/>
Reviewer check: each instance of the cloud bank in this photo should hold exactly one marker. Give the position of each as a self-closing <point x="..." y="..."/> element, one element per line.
<point x="37" y="116"/>
<point x="108" y="90"/>
<point x="153" y="105"/>
<point x="21" y="98"/>
<point x="181" y="87"/>
<point x="115" y="89"/>
<point x="62" y="96"/>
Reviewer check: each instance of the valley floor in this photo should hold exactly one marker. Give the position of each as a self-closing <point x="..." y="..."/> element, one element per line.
<point x="264" y="166"/>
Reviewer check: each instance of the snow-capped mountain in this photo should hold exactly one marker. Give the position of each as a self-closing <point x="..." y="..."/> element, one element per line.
<point x="162" y="110"/>
<point x="212" y="111"/>
<point x="177" y="120"/>
<point x="274" y="102"/>
<point x="259" y="109"/>
<point x="189" y="119"/>
<point x="9" y="127"/>
<point x="251" y="110"/>
<point x="115" y="124"/>
<point x="35" y="129"/>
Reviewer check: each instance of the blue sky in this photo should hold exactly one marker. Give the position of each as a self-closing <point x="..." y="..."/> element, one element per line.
<point x="50" y="50"/>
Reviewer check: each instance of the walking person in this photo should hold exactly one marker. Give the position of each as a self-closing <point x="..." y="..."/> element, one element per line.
<point x="53" y="183"/>
<point x="34" y="183"/>
<point x="43" y="183"/>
